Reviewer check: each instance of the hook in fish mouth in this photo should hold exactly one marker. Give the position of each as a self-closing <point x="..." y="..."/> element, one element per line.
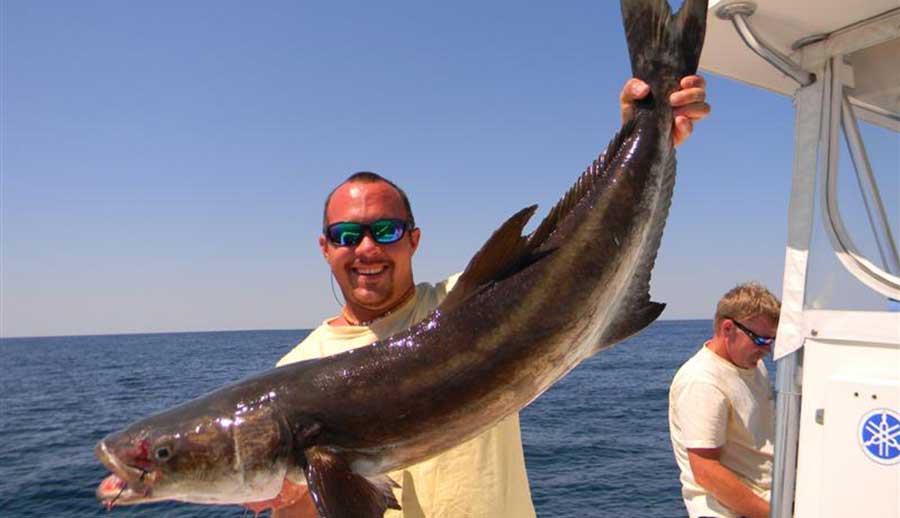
<point x="114" y="490"/>
<point x="109" y="485"/>
<point x="125" y="485"/>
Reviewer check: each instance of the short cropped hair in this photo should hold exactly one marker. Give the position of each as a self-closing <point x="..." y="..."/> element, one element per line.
<point x="746" y="301"/>
<point x="369" y="177"/>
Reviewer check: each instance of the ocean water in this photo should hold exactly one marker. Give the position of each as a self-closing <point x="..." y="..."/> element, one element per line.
<point x="596" y="444"/>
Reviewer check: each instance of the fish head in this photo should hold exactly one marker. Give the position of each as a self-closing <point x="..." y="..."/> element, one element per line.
<point x="204" y="459"/>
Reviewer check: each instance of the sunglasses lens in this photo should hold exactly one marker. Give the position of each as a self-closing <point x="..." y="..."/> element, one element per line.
<point x="345" y="234"/>
<point x="761" y="341"/>
<point x="387" y="230"/>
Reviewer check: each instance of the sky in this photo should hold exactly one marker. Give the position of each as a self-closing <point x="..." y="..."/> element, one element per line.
<point x="163" y="164"/>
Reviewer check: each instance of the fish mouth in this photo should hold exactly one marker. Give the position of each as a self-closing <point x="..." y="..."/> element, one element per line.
<point x="126" y="485"/>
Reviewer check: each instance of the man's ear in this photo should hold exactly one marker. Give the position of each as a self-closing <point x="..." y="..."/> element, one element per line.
<point x="726" y="327"/>
<point x="414" y="236"/>
<point x="323" y="245"/>
<point x="720" y="329"/>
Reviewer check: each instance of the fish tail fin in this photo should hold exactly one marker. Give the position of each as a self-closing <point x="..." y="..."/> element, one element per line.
<point x="663" y="47"/>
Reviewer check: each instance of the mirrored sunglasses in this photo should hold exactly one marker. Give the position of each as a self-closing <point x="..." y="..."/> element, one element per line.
<point x="350" y="233"/>
<point x="759" y="340"/>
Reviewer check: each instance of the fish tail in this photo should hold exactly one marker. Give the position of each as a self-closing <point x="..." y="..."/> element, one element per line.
<point x="663" y="47"/>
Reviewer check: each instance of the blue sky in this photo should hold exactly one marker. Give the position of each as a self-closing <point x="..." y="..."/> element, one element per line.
<point x="164" y="163"/>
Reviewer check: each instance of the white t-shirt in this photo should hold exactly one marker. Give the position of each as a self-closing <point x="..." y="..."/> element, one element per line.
<point x="715" y="404"/>
<point x="483" y="477"/>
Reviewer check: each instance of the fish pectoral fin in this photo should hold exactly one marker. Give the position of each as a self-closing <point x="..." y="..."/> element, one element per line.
<point x="338" y="492"/>
<point x="631" y="323"/>
<point x="504" y="253"/>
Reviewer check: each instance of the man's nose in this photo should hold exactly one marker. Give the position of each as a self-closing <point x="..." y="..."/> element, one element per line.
<point x="367" y="244"/>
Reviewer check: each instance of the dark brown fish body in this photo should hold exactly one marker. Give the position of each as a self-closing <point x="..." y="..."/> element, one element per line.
<point x="526" y="311"/>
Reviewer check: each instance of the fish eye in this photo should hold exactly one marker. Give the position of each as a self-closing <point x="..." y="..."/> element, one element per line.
<point x="162" y="453"/>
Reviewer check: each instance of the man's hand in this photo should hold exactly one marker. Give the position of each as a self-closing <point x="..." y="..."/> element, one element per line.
<point x="294" y="501"/>
<point x="688" y="104"/>
<point x="724" y="485"/>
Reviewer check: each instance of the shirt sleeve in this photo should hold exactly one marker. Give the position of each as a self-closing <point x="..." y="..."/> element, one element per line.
<point x="446" y="286"/>
<point x="702" y="413"/>
<point x="305" y="350"/>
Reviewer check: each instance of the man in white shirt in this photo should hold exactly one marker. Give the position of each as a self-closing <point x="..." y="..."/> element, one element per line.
<point x="721" y="410"/>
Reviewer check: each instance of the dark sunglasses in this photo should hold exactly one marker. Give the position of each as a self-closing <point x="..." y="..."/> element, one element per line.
<point x="761" y="341"/>
<point x="383" y="231"/>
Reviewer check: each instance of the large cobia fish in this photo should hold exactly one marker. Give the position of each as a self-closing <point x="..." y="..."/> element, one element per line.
<point x="524" y="313"/>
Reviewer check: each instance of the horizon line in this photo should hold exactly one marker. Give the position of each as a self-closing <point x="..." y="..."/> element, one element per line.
<point x="172" y="332"/>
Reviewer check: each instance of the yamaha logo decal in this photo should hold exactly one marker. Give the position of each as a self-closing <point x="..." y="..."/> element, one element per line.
<point x="879" y="436"/>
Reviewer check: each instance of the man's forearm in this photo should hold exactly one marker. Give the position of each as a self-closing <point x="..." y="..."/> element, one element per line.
<point x="304" y="508"/>
<point x="728" y="489"/>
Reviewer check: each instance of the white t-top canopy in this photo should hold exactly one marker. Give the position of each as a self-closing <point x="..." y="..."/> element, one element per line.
<point x="865" y="31"/>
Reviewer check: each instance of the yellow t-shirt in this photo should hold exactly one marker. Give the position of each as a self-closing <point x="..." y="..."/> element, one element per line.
<point x="484" y="477"/>
<point x="715" y="404"/>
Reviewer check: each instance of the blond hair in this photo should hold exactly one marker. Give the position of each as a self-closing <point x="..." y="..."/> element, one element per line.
<point x="746" y="301"/>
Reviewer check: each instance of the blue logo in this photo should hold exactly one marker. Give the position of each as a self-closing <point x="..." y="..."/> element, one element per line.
<point x="879" y="435"/>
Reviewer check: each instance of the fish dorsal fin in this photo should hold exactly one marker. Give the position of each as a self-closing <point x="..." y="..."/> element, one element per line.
<point x="502" y="254"/>
<point x="338" y="492"/>
<point x="507" y="251"/>
<point x="581" y="188"/>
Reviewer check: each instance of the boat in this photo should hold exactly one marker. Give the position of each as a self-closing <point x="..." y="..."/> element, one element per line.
<point x="837" y="357"/>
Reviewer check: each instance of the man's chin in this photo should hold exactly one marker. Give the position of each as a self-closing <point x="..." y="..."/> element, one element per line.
<point x="370" y="300"/>
<point x="751" y="364"/>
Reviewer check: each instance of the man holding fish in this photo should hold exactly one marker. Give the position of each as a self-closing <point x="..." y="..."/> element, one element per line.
<point x="429" y="402"/>
<point x="369" y="238"/>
